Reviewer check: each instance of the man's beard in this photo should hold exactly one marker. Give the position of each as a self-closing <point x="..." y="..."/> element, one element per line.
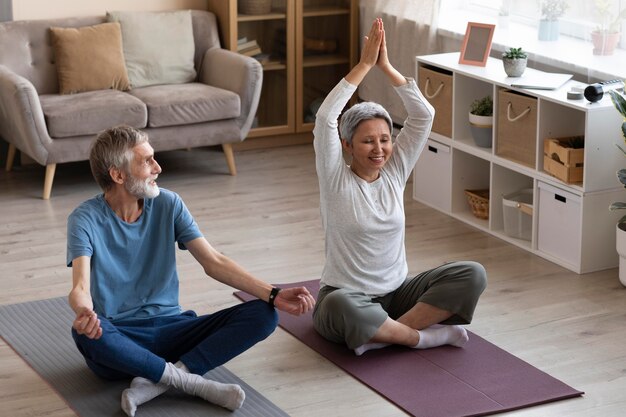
<point x="142" y="188"/>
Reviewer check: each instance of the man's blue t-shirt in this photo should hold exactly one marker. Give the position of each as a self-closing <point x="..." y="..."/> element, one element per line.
<point x="133" y="265"/>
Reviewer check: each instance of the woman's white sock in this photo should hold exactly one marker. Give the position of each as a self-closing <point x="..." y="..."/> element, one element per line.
<point x="369" y="346"/>
<point x="442" y="335"/>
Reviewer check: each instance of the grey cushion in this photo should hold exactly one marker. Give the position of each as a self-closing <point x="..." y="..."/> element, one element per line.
<point x="158" y="46"/>
<point x="181" y="104"/>
<point x="91" y="112"/>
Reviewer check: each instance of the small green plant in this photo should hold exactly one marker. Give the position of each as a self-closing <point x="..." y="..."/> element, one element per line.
<point x="482" y="106"/>
<point x="620" y="104"/>
<point x="553" y="9"/>
<point x="515" y="53"/>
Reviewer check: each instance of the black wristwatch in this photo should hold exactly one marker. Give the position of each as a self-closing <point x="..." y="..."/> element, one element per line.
<point x="273" y="294"/>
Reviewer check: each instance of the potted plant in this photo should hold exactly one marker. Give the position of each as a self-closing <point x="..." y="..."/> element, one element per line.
<point x="514" y="60"/>
<point x="551" y="10"/>
<point x="620" y="238"/>
<point x="481" y="121"/>
<point x="606" y="35"/>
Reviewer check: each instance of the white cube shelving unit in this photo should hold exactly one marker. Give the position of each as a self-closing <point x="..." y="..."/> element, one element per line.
<point x="571" y="223"/>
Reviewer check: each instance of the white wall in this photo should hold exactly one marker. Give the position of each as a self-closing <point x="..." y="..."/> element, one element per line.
<point x="50" y="9"/>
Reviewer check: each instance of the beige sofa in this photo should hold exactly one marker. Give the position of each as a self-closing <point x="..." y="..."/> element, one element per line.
<point x="215" y="108"/>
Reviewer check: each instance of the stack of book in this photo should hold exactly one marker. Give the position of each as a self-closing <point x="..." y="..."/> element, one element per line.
<point x="248" y="48"/>
<point x="251" y="48"/>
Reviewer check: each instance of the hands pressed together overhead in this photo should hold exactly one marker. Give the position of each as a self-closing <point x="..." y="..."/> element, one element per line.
<point x="375" y="46"/>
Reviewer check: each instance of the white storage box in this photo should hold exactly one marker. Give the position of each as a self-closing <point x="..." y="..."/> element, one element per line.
<point x="432" y="176"/>
<point x="518" y="214"/>
<point x="559" y="223"/>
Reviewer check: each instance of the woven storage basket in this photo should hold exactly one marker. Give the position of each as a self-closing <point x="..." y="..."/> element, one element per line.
<point x="255" y="6"/>
<point x="479" y="202"/>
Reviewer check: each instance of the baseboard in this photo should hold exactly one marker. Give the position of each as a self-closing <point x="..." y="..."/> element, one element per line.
<point x="274" y="141"/>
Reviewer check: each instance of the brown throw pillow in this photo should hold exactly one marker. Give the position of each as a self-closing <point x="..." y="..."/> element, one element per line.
<point x="90" y="58"/>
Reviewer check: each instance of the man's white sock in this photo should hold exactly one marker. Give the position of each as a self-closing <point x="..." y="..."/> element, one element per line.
<point x="229" y="396"/>
<point x="442" y="335"/>
<point x="143" y="390"/>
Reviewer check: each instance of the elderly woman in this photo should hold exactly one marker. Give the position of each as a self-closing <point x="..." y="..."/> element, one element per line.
<point x="366" y="300"/>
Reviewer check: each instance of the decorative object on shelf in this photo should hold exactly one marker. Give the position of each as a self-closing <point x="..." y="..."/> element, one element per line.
<point x="563" y="158"/>
<point x="478" y="201"/>
<point x="620" y="239"/>
<point x="319" y="46"/>
<point x="476" y="44"/>
<point x="606" y="35"/>
<point x="517" y="213"/>
<point x="551" y="10"/>
<point x="437" y="84"/>
<point x="514" y="60"/>
<point x="254" y="6"/>
<point x="516" y="137"/>
<point x="481" y="121"/>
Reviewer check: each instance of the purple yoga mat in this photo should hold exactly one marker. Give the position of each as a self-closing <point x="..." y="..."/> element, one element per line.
<point x="475" y="380"/>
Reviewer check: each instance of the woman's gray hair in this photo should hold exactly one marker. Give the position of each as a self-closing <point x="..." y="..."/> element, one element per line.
<point x="366" y="110"/>
<point x="113" y="149"/>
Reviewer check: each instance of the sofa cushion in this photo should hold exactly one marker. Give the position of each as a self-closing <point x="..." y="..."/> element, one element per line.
<point x="172" y="105"/>
<point x="158" y="46"/>
<point x="91" y="112"/>
<point x="89" y="58"/>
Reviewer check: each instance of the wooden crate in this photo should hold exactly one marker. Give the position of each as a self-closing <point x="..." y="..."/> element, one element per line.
<point x="562" y="161"/>
<point x="437" y="88"/>
<point x="516" y="137"/>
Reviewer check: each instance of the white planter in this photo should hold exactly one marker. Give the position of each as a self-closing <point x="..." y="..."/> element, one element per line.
<point x="482" y="130"/>
<point x="620" y="245"/>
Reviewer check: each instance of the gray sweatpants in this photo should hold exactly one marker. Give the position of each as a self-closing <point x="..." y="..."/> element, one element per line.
<point x="351" y="317"/>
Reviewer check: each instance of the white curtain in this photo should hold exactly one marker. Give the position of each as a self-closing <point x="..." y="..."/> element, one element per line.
<point x="411" y="30"/>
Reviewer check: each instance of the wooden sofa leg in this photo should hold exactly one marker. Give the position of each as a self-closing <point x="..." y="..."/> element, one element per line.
<point x="230" y="158"/>
<point x="47" y="185"/>
<point x="10" y="157"/>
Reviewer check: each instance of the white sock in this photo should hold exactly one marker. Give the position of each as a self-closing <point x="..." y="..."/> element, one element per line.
<point x="443" y="335"/>
<point x="143" y="390"/>
<point x="369" y="346"/>
<point x="229" y="396"/>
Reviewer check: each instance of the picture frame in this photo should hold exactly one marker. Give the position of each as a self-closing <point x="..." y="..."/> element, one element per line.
<point x="476" y="44"/>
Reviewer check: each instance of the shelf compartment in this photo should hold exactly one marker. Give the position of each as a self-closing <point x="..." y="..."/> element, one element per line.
<point x="551" y="126"/>
<point x="466" y="91"/>
<point x="505" y="182"/>
<point x="273" y="105"/>
<point x="468" y="173"/>
<point x="516" y="127"/>
<point x="270" y="35"/>
<point x="316" y="82"/>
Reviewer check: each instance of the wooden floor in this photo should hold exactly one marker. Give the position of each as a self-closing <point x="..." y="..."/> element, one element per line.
<point x="267" y="219"/>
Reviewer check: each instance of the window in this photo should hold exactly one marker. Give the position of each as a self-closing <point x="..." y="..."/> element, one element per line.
<point x="573" y="50"/>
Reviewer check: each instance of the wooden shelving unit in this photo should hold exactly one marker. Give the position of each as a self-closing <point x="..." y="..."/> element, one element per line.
<point x="295" y="79"/>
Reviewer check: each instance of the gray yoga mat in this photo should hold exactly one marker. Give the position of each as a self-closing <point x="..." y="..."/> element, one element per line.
<point x="39" y="332"/>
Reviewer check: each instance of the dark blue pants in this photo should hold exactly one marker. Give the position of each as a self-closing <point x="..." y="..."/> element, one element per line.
<point x="140" y="347"/>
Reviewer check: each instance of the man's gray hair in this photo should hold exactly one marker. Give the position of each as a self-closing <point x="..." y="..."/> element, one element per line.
<point x="366" y="110"/>
<point x="113" y="148"/>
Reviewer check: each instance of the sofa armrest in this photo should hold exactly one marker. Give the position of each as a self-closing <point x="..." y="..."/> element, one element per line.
<point x="22" y="121"/>
<point x="238" y="73"/>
